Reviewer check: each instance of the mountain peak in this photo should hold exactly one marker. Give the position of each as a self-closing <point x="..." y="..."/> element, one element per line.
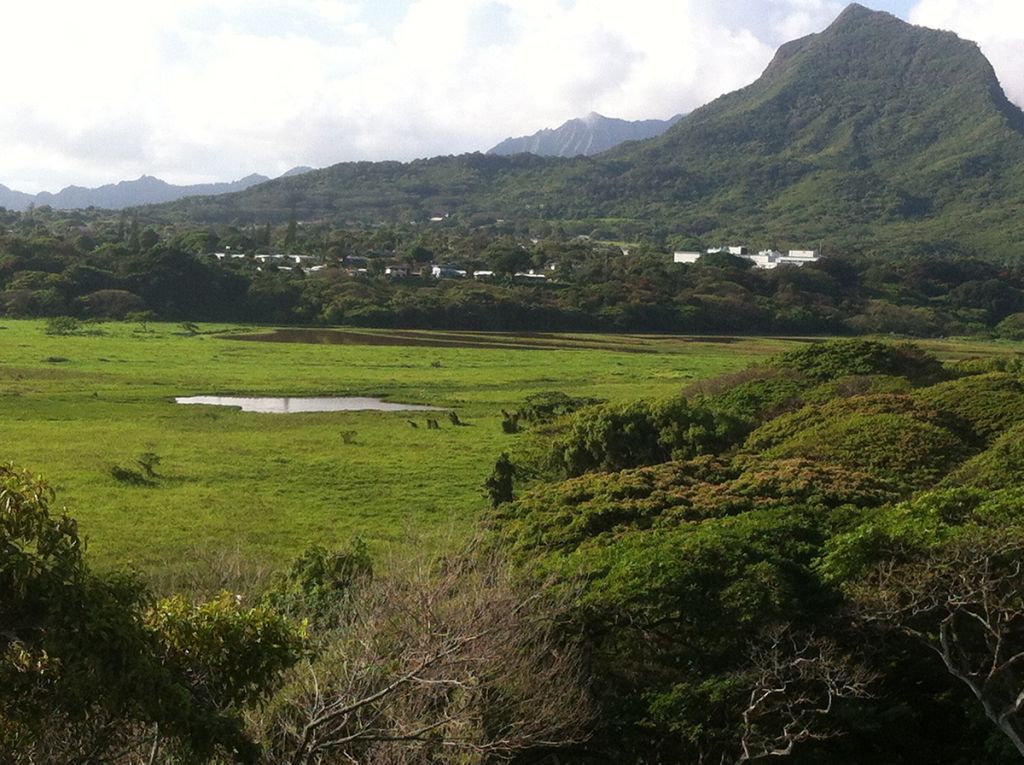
<point x="855" y="11"/>
<point x="856" y="16"/>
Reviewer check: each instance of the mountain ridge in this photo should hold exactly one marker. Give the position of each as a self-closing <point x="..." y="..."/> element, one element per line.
<point x="585" y="136"/>
<point x="144" y="190"/>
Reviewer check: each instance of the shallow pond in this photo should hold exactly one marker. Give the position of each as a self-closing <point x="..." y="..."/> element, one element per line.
<point x="293" y="404"/>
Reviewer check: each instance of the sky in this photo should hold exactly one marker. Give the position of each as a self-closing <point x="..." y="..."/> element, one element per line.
<point x="196" y="91"/>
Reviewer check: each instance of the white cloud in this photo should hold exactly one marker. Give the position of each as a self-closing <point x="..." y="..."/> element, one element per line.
<point x="996" y="25"/>
<point x="200" y="90"/>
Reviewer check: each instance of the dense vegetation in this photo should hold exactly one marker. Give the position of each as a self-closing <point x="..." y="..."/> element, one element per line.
<point x="765" y="568"/>
<point x="807" y="563"/>
<point x="86" y="266"/>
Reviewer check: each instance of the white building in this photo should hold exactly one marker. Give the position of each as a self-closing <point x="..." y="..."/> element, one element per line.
<point x="774" y="258"/>
<point x="447" y="272"/>
<point x="685" y="257"/>
<point x="766" y="259"/>
<point x="529" y="276"/>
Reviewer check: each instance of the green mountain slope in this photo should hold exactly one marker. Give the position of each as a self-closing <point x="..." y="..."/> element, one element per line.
<point x="873" y="134"/>
<point x="873" y="130"/>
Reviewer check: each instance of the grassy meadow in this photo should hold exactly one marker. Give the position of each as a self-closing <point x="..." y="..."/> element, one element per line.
<point x="266" y="486"/>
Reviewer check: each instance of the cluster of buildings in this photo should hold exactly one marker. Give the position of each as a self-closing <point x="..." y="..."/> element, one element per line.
<point x="355" y="265"/>
<point x="451" y="272"/>
<point x="282" y="261"/>
<point x="763" y="259"/>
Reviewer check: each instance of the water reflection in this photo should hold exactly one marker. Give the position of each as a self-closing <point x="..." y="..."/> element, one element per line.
<point x="294" y="404"/>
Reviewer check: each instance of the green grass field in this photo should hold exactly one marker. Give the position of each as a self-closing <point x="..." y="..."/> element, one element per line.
<point x="266" y="485"/>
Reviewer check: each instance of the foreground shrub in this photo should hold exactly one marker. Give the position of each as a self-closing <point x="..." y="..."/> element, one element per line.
<point x="596" y="509"/>
<point x="753" y="401"/>
<point x="789" y="425"/>
<point x="447" y="661"/>
<point x="1001" y="466"/>
<point x="857" y="385"/>
<point x="907" y="443"/>
<point x="988" y="404"/>
<point x="321" y="582"/>
<point x="947" y="570"/>
<point x="90" y="671"/>
<point x="672" y="614"/>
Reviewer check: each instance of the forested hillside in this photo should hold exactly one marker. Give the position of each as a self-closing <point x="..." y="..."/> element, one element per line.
<point x="872" y="136"/>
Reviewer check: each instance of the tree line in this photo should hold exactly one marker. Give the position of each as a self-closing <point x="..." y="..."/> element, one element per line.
<point x="89" y="266"/>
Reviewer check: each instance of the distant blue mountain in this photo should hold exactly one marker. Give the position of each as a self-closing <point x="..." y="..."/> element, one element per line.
<point x="115" y="196"/>
<point x="587" y="135"/>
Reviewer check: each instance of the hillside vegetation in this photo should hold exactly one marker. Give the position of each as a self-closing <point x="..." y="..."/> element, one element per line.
<point x="872" y="136"/>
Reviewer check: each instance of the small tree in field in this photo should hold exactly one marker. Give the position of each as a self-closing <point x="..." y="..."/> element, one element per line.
<point x="62" y="325"/>
<point x="499" y="484"/>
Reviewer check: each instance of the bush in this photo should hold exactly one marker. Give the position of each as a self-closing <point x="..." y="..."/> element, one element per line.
<point x="63" y="325"/>
<point x="899" y="447"/>
<point x="840" y="358"/>
<point x="988" y="404"/>
<point x="499" y="484"/>
<point x="613" y="437"/>
<point x="321" y="581"/>
<point x="1001" y="466"/>
<point x="111" y="304"/>
<point x="754" y="401"/>
<point x="1012" y="327"/>
<point x="788" y="426"/>
<point x="856" y="385"/>
<point x="596" y="509"/>
<point x="549" y="405"/>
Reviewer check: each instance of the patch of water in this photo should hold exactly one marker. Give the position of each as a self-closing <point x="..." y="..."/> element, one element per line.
<point x="295" y="404"/>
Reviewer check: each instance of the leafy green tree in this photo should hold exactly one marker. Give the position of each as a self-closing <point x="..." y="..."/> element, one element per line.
<point x="506" y="257"/>
<point x="947" y="569"/>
